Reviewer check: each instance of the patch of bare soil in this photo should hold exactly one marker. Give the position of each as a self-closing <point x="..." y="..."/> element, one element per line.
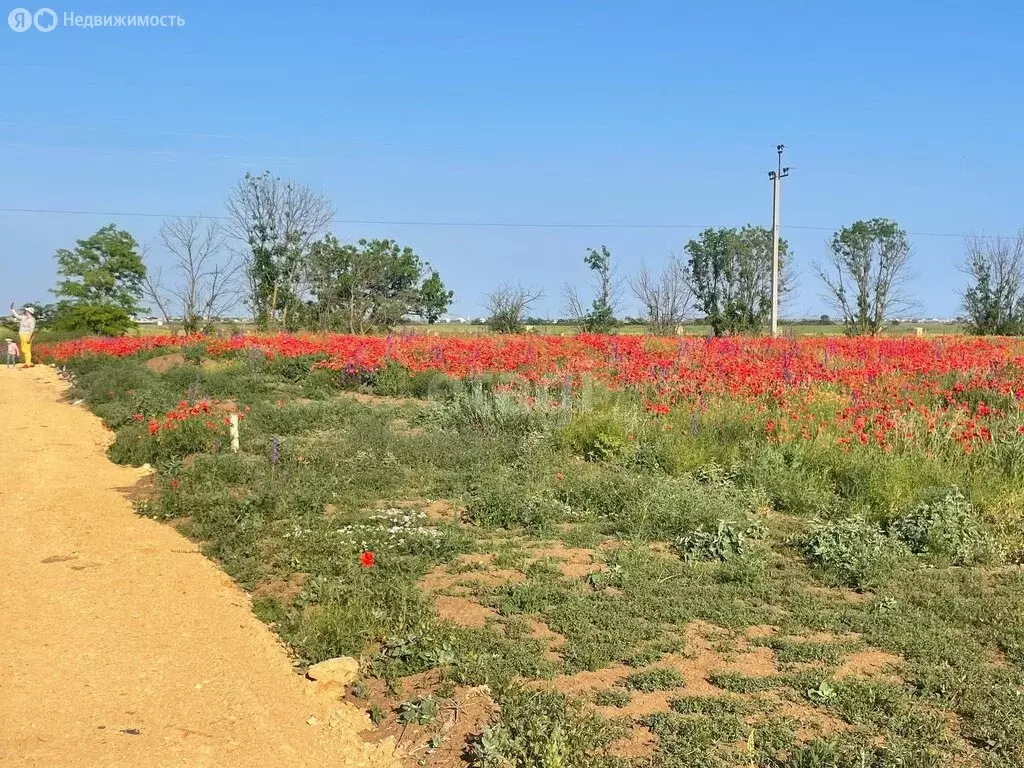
<point x="574" y="563"/>
<point x="584" y="682"/>
<point x="283" y="590"/>
<point x="542" y="632"/>
<point x="443" y="579"/>
<point x="463" y="611"/>
<point x="996" y="658"/>
<point x="440" y="509"/>
<point x="441" y="743"/>
<point x="699" y="662"/>
<point x="813" y="723"/>
<point x="639" y="744"/>
<point x="643" y="704"/>
<point x="163" y="363"/>
<point x="760" y="631"/>
<point x="871" y="663"/>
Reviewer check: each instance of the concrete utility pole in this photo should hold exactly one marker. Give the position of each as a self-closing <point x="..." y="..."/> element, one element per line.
<point x="776" y="177"/>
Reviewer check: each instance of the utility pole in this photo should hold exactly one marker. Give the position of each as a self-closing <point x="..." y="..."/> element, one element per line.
<point x="776" y="177"/>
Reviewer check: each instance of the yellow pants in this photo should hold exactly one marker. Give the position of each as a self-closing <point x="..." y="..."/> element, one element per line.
<point x="26" y="348"/>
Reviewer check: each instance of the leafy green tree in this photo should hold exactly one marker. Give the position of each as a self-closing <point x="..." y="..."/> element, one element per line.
<point x="866" y="274"/>
<point x="101" y="283"/>
<point x="993" y="303"/>
<point x="730" y="274"/>
<point x="372" y="285"/>
<point x="600" y="316"/>
<point x="276" y="222"/>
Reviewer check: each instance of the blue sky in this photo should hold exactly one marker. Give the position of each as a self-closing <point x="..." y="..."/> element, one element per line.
<point x="607" y="113"/>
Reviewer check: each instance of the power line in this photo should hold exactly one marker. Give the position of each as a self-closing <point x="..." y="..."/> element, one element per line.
<point x="466" y="224"/>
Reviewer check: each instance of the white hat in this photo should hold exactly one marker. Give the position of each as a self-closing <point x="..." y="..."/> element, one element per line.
<point x="32" y="310"/>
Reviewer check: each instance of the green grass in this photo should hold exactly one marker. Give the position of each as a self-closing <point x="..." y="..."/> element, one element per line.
<point x="693" y="541"/>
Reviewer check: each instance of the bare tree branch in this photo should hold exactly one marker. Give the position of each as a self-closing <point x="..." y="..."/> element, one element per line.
<point x="204" y="279"/>
<point x="507" y="307"/>
<point x="666" y="297"/>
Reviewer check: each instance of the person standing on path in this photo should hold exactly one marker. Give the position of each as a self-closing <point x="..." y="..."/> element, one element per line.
<point x="26" y="330"/>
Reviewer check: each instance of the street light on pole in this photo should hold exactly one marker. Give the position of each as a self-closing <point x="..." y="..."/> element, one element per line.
<point x="776" y="177"/>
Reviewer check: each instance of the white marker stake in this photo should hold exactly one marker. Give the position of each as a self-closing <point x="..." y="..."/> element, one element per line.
<point x="234" y="432"/>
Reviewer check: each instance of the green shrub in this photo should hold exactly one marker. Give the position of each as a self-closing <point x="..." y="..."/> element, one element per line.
<point x="854" y="551"/>
<point x="948" y="530"/>
<point x="392" y="380"/>
<point x="791" y="482"/>
<point x="659" y="679"/>
<point x="613" y="697"/>
<point x="726" y="542"/>
<point x="502" y="412"/>
<point x="421" y="711"/>
<point x="541" y="729"/>
<point x="600" y="434"/>
<point x="194" y="353"/>
<point x="505" y="500"/>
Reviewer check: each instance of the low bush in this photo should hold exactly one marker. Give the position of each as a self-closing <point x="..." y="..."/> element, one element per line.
<point x="542" y="729"/>
<point x="613" y="697"/>
<point x="507" y="500"/>
<point x="725" y="542"/>
<point x="853" y="552"/>
<point x="658" y="679"/>
<point x="947" y="530"/>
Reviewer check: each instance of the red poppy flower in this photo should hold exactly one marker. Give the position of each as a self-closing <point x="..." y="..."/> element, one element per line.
<point x="367" y="559"/>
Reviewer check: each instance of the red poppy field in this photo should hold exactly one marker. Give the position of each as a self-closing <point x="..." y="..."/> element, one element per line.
<point x="611" y="551"/>
<point x="935" y="393"/>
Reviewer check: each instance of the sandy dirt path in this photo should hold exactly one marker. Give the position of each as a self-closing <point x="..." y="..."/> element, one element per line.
<point x="120" y="644"/>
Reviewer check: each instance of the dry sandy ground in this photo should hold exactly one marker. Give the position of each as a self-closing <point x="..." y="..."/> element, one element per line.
<point x="120" y="645"/>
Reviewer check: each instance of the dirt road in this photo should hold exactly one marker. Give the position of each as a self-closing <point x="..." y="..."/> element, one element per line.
<point x="120" y="644"/>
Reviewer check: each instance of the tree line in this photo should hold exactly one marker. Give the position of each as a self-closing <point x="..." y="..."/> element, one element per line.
<point x="726" y="278"/>
<point x="273" y="252"/>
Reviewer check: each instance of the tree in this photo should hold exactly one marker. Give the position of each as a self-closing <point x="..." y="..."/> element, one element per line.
<point x="730" y="274"/>
<point x="275" y="222"/>
<point x="600" y="317"/>
<point x="205" y="278"/>
<point x="993" y="303"/>
<point x="372" y="285"/>
<point x="666" y="297"/>
<point x="102" y="283"/>
<point x="866" y="274"/>
<point x="507" y="306"/>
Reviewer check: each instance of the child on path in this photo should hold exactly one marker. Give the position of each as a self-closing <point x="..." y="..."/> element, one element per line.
<point x="12" y="352"/>
<point x="26" y="330"/>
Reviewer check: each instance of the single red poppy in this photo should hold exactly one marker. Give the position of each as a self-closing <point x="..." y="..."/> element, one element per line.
<point x="367" y="559"/>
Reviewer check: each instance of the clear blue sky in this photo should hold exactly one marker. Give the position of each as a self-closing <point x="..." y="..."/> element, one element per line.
<point x="539" y="112"/>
